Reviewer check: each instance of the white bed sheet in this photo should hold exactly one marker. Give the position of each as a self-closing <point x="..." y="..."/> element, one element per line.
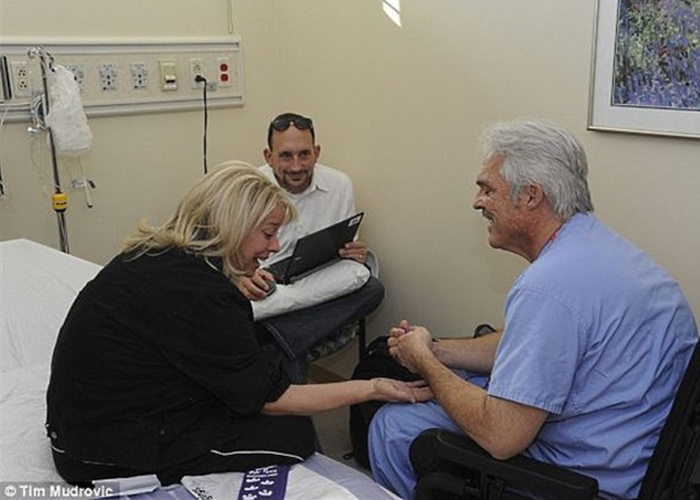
<point x="37" y="287"/>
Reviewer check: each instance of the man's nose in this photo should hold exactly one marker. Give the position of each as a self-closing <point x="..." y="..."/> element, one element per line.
<point x="296" y="162"/>
<point x="477" y="204"/>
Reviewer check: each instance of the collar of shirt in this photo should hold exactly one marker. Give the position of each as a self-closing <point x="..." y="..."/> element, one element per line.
<point x="578" y="220"/>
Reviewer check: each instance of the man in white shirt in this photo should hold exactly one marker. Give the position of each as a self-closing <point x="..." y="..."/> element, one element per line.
<point x="322" y="197"/>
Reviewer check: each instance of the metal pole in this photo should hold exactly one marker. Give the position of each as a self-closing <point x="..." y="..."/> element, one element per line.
<point x="58" y="198"/>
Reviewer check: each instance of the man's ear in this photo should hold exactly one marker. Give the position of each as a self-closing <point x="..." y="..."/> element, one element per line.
<point x="267" y="154"/>
<point x="534" y="196"/>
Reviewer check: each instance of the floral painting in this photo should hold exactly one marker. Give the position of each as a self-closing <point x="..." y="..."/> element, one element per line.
<point x="657" y="54"/>
<point x="645" y="74"/>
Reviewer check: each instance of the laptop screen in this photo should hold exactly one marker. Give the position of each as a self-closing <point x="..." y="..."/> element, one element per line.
<point x="316" y="250"/>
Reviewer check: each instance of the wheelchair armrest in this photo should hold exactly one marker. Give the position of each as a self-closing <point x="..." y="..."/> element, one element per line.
<point x="447" y="452"/>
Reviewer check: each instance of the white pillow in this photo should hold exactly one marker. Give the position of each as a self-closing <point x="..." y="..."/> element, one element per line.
<point x="334" y="281"/>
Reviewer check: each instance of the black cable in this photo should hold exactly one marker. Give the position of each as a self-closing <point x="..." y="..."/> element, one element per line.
<point x="2" y="183"/>
<point x="200" y="78"/>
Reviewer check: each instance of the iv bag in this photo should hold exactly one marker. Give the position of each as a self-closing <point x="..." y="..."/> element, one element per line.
<point x="66" y="117"/>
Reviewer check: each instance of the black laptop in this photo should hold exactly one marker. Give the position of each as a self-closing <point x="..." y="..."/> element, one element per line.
<point x="315" y="251"/>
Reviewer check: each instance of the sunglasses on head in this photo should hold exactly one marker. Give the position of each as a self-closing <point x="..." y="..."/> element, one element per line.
<point x="282" y="123"/>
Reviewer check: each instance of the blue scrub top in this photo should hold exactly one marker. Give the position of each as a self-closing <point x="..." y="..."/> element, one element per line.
<point x="599" y="336"/>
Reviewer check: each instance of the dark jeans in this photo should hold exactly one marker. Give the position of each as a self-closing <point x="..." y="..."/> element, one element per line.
<point x="296" y="331"/>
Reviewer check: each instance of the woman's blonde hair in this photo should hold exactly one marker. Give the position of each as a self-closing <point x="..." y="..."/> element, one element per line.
<point x="215" y="216"/>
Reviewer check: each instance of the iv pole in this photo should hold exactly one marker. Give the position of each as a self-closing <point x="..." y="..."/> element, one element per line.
<point x="59" y="199"/>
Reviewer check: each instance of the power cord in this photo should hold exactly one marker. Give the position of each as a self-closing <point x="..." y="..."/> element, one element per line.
<point x="200" y="78"/>
<point x="2" y="182"/>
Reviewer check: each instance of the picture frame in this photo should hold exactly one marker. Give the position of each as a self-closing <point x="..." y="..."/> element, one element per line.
<point x="635" y="84"/>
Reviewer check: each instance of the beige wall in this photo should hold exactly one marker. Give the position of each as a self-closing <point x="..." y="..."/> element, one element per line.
<point x="141" y="164"/>
<point x="399" y="109"/>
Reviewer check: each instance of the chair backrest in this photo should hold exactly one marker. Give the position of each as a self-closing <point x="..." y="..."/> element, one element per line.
<point x="671" y="466"/>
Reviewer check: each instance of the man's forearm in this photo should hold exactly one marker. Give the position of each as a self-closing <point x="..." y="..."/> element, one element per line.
<point x="470" y="354"/>
<point x="463" y="401"/>
<point x="502" y="427"/>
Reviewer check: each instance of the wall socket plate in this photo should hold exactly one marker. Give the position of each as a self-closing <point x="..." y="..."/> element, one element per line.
<point x="78" y="75"/>
<point x="108" y="76"/>
<point x="139" y="76"/>
<point x="224" y="71"/>
<point x="196" y="69"/>
<point x="21" y="85"/>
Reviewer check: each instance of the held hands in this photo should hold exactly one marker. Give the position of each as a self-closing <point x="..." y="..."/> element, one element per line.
<point x="396" y="391"/>
<point x="407" y="343"/>
<point x="355" y="250"/>
<point x="255" y="287"/>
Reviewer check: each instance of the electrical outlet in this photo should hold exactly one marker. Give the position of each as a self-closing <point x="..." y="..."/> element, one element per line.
<point x="196" y="69"/>
<point x="224" y="69"/>
<point x="108" y="76"/>
<point x="78" y="75"/>
<point x="139" y="76"/>
<point x="21" y="86"/>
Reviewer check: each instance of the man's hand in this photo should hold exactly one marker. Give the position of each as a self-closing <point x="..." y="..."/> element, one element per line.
<point x="407" y="343"/>
<point x="255" y="287"/>
<point x="355" y="250"/>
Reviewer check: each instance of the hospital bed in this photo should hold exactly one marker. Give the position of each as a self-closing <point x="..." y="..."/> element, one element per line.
<point x="38" y="286"/>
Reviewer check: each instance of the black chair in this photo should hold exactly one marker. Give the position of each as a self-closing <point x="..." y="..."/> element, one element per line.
<point x="451" y="466"/>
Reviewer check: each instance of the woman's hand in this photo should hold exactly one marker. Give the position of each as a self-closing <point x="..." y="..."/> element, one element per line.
<point x="309" y="399"/>
<point x="396" y="391"/>
<point x="255" y="287"/>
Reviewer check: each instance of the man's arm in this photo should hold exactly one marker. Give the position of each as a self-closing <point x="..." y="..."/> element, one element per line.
<point x="474" y="354"/>
<point x="503" y="428"/>
<point x="356" y="250"/>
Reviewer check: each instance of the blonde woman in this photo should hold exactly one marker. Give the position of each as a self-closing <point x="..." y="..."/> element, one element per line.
<point x="158" y="368"/>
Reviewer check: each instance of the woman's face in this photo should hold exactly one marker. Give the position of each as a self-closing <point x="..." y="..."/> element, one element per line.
<point x="261" y="241"/>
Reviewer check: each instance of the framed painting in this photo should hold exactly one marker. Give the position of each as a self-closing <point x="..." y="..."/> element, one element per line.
<point x="645" y="75"/>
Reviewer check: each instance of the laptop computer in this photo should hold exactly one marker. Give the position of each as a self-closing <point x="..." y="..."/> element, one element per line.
<point x="315" y="251"/>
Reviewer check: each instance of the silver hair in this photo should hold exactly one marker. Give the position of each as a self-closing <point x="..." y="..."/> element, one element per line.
<point x="542" y="153"/>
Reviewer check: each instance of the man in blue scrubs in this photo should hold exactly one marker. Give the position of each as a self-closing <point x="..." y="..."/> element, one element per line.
<point x="596" y="339"/>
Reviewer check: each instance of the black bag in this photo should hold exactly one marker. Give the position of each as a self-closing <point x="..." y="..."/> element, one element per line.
<point x="376" y="362"/>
